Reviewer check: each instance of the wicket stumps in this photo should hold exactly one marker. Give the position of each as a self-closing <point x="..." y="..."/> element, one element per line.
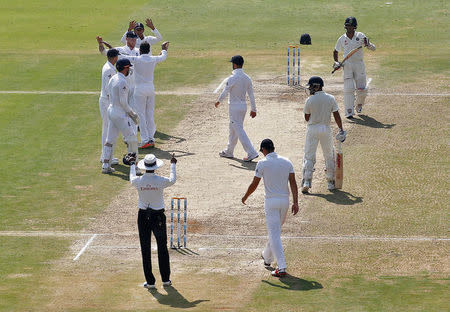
<point x="289" y="58"/>
<point x="179" y="199"/>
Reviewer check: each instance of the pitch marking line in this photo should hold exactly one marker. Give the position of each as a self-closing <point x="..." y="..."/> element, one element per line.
<point x="201" y="93"/>
<point x="319" y="237"/>
<point x="85" y="247"/>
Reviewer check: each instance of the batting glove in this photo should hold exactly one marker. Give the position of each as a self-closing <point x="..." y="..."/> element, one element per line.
<point x="341" y="136"/>
<point x="134" y="117"/>
<point x="336" y="65"/>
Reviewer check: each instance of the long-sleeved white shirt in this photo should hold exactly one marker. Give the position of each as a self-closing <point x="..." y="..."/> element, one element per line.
<point x="150" y="39"/>
<point x="118" y="93"/>
<point x="239" y="84"/>
<point x="108" y="71"/>
<point x="150" y="187"/>
<point x="144" y="66"/>
<point x="346" y="44"/>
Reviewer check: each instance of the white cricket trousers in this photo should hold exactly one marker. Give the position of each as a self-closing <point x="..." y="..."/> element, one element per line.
<point x="314" y="135"/>
<point x="144" y="102"/>
<point x="237" y="132"/>
<point x="354" y="74"/>
<point x="275" y="210"/>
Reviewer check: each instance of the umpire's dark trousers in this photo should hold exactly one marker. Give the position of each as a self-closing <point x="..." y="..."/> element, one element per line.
<point x="153" y="221"/>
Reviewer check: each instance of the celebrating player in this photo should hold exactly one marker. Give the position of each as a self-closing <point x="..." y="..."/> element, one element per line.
<point x="354" y="68"/>
<point x="138" y="29"/>
<point x="318" y="109"/>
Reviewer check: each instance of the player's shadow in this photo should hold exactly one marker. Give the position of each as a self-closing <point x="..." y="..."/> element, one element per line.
<point x="174" y="298"/>
<point x="246" y="165"/>
<point x="167" y="137"/>
<point x="340" y="197"/>
<point x="122" y="171"/>
<point x="368" y="121"/>
<point x="290" y="282"/>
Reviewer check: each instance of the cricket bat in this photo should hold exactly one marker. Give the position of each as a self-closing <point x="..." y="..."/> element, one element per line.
<point x="339" y="175"/>
<point x="349" y="55"/>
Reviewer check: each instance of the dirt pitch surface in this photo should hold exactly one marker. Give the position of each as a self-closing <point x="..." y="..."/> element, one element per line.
<point x="225" y="237"/>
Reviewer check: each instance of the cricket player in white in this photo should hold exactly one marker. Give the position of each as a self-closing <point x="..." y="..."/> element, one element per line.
<point x="354" y="68"/>
<point x="318" y="109"/>
<point x="127" y="50"/>
<point x="138" y="29"/>
<point x="120" y="114"/>
<point x="144" y="90"/>
<point x="108" y="71"/>
<point x="238" y="86"/>
<point x="276" y="172"/>
<point x="151" y="217"/>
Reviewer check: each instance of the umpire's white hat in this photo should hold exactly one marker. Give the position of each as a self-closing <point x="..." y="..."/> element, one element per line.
<point x="150" y="162"/>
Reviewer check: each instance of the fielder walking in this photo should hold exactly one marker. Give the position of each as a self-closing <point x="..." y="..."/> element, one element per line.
<point x="122" y="118"/>
<point x="151" y="217"/>
<point x="276" y="171"/>
<point x="108" y="71"/>
<point x="138" y="29"/>
<point x="318" y="109"/>
<point x="238" y="86"/>
<point x="354" y="68"/>
<point x="144" y="91"/>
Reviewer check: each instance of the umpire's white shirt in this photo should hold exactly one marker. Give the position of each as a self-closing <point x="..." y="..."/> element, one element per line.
<point x="150" y="39"/>
<point x="239" y="84"/>
<point x="346" y="44"/>
<point x="108" y="71"/>
<point x="275" y="170"/>
<point x="320" y="106"/>
<point x="150" y="187"/>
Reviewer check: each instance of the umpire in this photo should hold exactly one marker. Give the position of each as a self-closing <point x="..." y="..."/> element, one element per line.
<point x="151" y="217"/>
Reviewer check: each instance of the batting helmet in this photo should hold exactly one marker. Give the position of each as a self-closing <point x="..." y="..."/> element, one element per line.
<point x="315" y="81"/>
<point x="121" y="64"/>
<point x="305" y="39"/>
<point x="351" y="21"/>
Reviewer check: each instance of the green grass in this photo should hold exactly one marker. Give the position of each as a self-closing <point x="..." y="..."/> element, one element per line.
<point x="24" y="263"/>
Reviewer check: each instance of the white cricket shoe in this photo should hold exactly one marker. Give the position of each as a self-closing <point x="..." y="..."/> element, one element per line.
<point x="250" y="158"/>
<point x="359" y="108"/>
<point x="114" y="161"/>
<point x="168" y="283"/>
<point x="279" y="273"/>
<point x="331" y="185"/>
<point x="225" y="154"/>
<point x="306" y="186"/>
<point x="149" y="286"/>
<point x="108" y="170"/>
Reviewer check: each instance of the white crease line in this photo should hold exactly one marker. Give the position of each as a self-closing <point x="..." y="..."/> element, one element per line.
<point x="85" y="246"/>
<point x="324" y="237"/>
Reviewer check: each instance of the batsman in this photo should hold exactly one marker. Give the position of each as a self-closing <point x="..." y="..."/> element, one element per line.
<point x="351" y="44"/>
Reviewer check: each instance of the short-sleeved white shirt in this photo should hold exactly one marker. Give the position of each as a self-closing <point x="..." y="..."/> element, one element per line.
<point x="320" y="106"/>
<point x="346" y="44"/>
<point x="108" y="71"/>
<point x="275" y="171"/>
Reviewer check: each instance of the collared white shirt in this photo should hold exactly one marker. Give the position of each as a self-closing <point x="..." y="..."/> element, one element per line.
<point x="239" y="84"/>
<point x="150" y="187"/>
<point x="108" y="71"/>
<point x="118" y="92"/>
<point x="320" y="106"/>
<point x="150" y="39"/>
<point x="275" y="170"/>
<point x="346" y="44"/>
<point x="144" y="66"/>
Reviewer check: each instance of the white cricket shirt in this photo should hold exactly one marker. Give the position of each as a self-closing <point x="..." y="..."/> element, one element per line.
<point x="320" y="106"/>
<point x="345" y="44"/>
<point x="239" y="84"/>
<point x="150" y="39"/>
<point x="150" y="187"/>
<point x="275" y="170"/>
<point x="108" y="71"/>
<point x="118" y="93"/>
<point x="144" y="65"/>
